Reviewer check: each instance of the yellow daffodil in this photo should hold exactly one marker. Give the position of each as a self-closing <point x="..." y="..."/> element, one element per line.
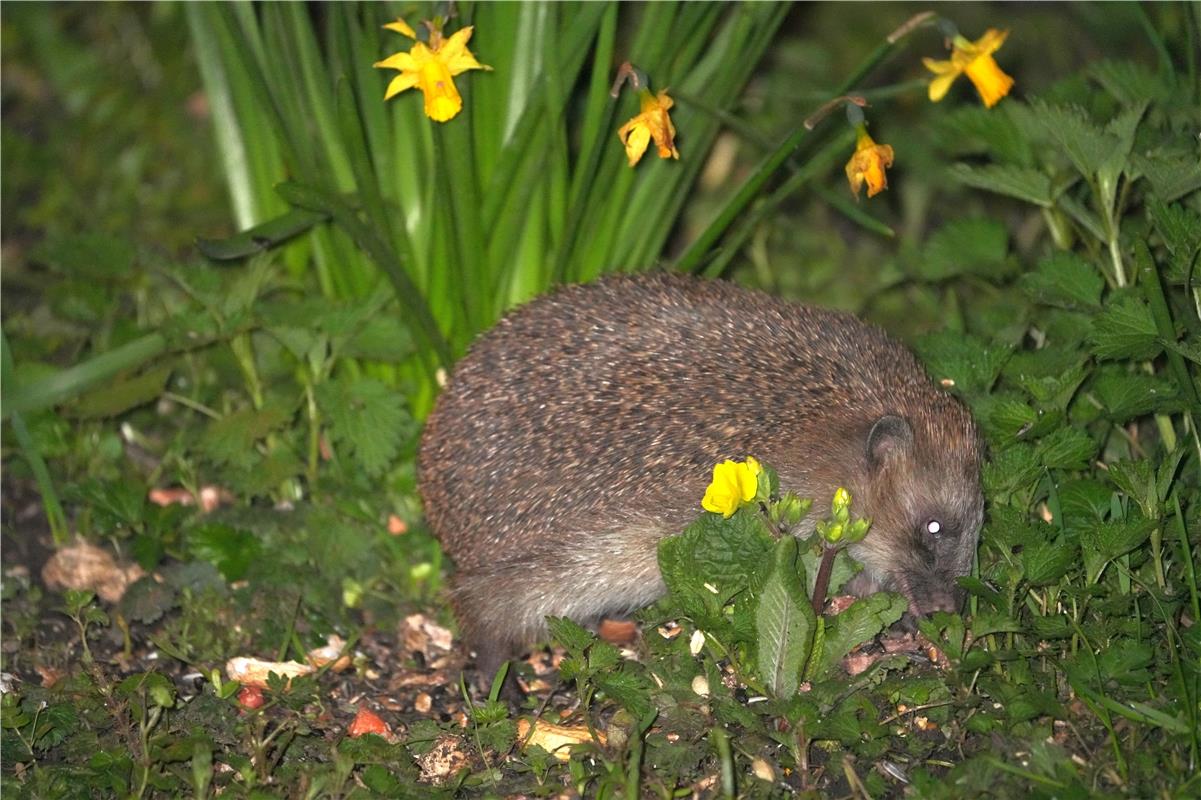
<point x="431" y="68"/>
<point x="868" y="164"/>
<point x="975" y="59"/>
<point x="652" y="123"/>
<point x="734" y="483"/>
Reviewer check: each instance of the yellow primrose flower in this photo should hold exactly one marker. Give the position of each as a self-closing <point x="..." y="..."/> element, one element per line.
<point x="431" y="68"/>
<point x="975" y="59"/>
<point x="734" y="483"/>
<point x="653" y="122"/>
<point x="868" y="164"/>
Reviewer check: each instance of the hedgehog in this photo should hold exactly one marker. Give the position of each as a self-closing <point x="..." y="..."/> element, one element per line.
<point x="583" y="428"/>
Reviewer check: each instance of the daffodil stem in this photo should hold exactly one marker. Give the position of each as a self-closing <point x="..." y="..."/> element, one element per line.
<point x="754" y="183"/>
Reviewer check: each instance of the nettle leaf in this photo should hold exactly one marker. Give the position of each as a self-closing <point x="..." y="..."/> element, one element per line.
<point x="230" y="550"/>
<point x="859" y="622"/>
<point x="1044" y="563"/>
<point x="1129" y="82"/>
<point x="1136" y="479"/>
<point x="1024" y="183"/>
<point x="1011" y="470"/>
<point x="1125" y="329"/>
<point x="367" y="417"/>
<point x="629" y="689"/>
<point x="1180" y="229"/>
<point x="381" y="338"/>
<point x="113" y="504"/>
<point x="1126" y="662"/>
<point x="966" y="246"/>
<point x="1065" y="280"/>
<point x="1172" y="175"/>
<point x="1081" y="140"/>
<point x="1007" y="418"/>
<point x="1103" y="542"/>
<point x="1066" y="448"/>
<point x="784" y="622"/>
<point x="1056" y="390"/>
<point x="1126" y="395"/>
<point x="231" y="439"/>
<point x="1085" y="499"/>
<point x="970" y="362"/>
<point x="975" y="129"/>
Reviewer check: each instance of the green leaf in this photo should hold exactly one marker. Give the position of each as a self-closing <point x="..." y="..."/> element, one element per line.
<point x="113" y="504"/>
<point x="230" y="550"/>
<point x="122" y="395"/>
<point x="1029" y="185"/>
<point x="1103" y="542"/>
<point x="1011" y="470"/>
<point x="1064" y="280"/>
<point x="1172" y="175"/>
<point x="382" y="338"/>
<point x="90" y="256"/>
<point x="261" y="237"/>
<point x="966" y="246"/>
<point x="971" y="363"/>
<point x="232" y="439"/>
<point x="1129" y="82"/>
<point x="723" y="553"/>
<point x="574" y="637"/>
<point x="975" y="129"/>
<point x="1125" y="329"/>
<point x="858" y="623"/>
<point x="1044" y="563"/>
<point x="1066" y="448"/>
<point x="1082" y="141"/>
<point x="1085" y="499"/>
<point x="1126" y="395"/>
<point x="784" y="622"/>
<point x="1180" y="229"/>
<point x="369" y="418"/>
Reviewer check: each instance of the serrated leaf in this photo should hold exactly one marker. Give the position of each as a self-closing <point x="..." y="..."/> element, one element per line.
<point x="1011" y="470"/>
<point x="1081" y="140"/>
<point x="1136" y="479"/>
<point x="574" y="637"/>
<point x="966" y="246"/>
<point x="1172" y="176"/>
<point x="721" y="552"/>
<point x="784" y="622"/>
<point x="367" y="417"/>
<point x="1064" y="280"/>
<point x="230" y="550"/>
<point x="1180" y="229"/>
<point x="1084" y="499"/>
<point x="113" y="503"/>
<point x="1125" y="329"/>
<point x="231" y="439"/>
<point x="1128" y="81"/>
<point x="1044" y="563"/>
<point x="381" y="338"/>
<point x="972" y="364"/>
<point x="629" y="689"/>
<point x="1103" y="542"/>
<point x="975" y="129"/>
<point x="1066" y="448"/>
<point x="1024" y="183"/>
<point x="147" y="600"/>
<point x="858" y="623"/>
<point x="1126" y="395"/>
<point x="989" y="622"/>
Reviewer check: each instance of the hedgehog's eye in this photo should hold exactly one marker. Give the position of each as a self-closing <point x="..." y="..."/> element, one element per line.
<point x="933" y="527"/>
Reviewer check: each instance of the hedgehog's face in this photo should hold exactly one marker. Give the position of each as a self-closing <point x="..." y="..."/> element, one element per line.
<point x="926" y="509"/>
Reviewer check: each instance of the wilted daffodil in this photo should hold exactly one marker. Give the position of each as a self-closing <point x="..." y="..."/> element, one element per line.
<point x="652" y="123"/>
<point x="734" y="483"/>
<point x="975" y="59"/>
<point x="431" y="68"/>
<point x="868" y="164"/>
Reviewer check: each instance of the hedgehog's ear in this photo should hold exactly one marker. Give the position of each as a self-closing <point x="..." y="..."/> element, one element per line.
<point x="890" y="437"/>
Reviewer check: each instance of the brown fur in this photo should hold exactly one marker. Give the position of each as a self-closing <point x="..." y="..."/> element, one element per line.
<point x="584" y="427"/>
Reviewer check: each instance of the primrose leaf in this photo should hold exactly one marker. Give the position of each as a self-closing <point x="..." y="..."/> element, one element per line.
<point x="722" y="553"/>
<point x="858" y="623"/>
<point x="1065" y="280"/>
<point x="784" y="622"/>
<point x="1125" y="329"/>
<point x="369" y="418"/>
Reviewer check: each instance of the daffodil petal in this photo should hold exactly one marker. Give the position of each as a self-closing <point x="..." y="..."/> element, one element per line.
<point x="941" y="85"/>
<point x="402" y="61"/>
<point x="940" y="67"/>
<point x="990" y="42"/>
<point x="401" y="27"/>
<point x="406" y="80"/>
<point x="636" y="143"/>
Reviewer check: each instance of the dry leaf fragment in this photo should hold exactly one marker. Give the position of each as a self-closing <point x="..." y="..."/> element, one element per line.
<point x="84" y="566"/>
<point x="253" y="672"/>
<point x="555" y="739"/>
<point x="443" y="761"/>
<point x="331" y="652"/>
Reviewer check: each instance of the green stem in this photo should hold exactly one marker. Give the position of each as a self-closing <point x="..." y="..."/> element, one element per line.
<point x="751" y="187"/>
